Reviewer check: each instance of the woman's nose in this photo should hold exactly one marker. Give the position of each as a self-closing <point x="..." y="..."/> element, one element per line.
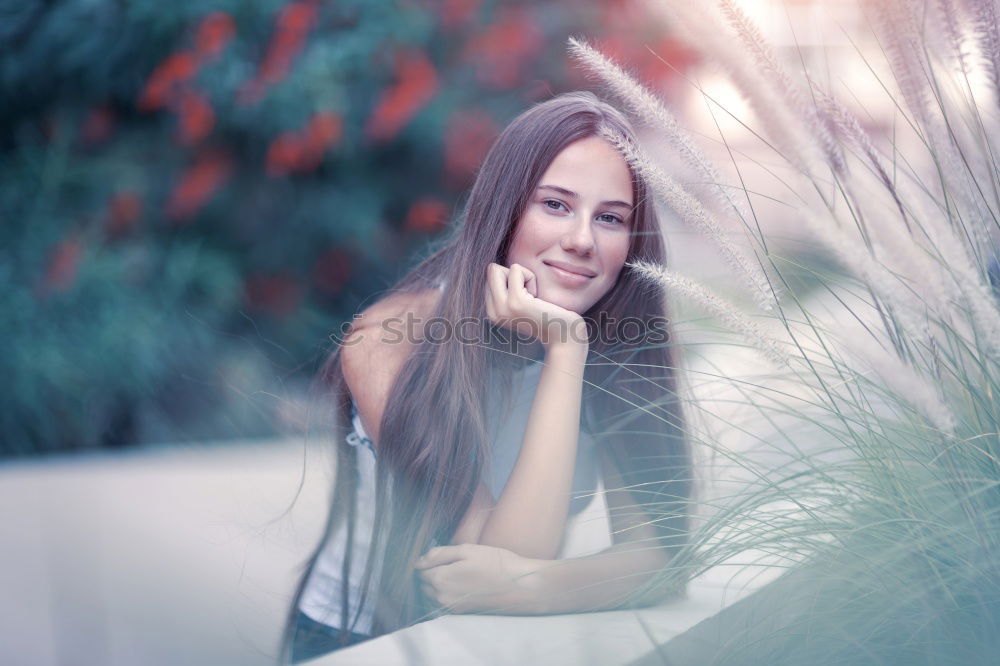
<point x="579" y="237"/>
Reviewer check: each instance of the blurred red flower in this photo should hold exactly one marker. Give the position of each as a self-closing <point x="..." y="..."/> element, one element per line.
<point x="416" y="83"/>
<point x="64" y="263"/>
<point x="123" y="211"/>
<point x="332" y="270"/>
<point x="196" y="117"/>
<point x="303" y="151"/>
<point x="214" y="32"/>
<point x="502" y="52"/>
<point x="197" y="184"/>
<point x="278" y="294"/>
<point x="165" y="79"/>
<point x="285" y="153"/>
<point x="427" y="215"/>
<point x="324" y="128"/>
<point x="454" y="13"/>
<point x="292" y="26"/>
<point x="297" y="17"/>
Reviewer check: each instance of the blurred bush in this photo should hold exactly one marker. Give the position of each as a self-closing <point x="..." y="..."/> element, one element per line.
<point x="195" y="194"/>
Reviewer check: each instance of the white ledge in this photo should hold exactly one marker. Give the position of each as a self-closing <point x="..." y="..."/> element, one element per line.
<point x="184" y="555"/>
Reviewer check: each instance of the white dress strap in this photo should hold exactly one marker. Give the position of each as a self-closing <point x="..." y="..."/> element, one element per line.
<point x="357" y="436"/>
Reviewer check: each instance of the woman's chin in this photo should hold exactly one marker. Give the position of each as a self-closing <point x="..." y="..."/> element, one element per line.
<point x="555" y="297"/>
<point x="572" y="306"/>
<point x="573" y="299"/>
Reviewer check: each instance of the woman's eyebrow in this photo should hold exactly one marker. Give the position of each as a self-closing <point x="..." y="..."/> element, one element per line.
<point x="571" y="194"/>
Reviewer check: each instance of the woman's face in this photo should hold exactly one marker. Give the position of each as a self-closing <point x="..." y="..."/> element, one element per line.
<point x="575" y="231"/>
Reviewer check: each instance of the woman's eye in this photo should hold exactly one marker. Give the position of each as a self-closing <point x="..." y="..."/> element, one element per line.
<point x="555" y="204"/>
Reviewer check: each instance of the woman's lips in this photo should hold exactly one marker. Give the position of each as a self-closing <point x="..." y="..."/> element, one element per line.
<point x="567" y="278"/>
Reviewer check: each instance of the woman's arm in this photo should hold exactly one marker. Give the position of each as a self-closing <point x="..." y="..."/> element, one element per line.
<point x="529" y="518"/>
<point x="606" y="580"/>
<point x="471" y="526"/>
<point x="530" y="514"/>
<point x="610" y="578"/>
<point x="475" y="578"/>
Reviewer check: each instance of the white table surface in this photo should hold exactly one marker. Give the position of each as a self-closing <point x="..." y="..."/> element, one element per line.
<point x="603" y="638"/>
<point x="185" y="555"/>
<point x="607" y="638"/>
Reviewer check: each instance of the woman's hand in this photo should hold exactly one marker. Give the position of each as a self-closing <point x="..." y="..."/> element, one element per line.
<point x="473" y="578"/>
<point x="512" y="301"/>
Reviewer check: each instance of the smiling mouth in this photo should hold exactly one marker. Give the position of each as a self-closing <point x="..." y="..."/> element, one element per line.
<point x="568" y="277"/>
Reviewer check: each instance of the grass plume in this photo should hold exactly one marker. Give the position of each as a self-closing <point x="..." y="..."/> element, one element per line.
<point x="868" y="460"/>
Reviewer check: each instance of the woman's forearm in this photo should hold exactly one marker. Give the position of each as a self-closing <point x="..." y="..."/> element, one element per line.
<point x="602" y="581"/>
<point x="530" y="514"/>
<point x="475" y="578"/>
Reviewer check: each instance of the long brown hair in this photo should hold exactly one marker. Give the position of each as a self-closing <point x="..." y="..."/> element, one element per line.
<point x="434" y="436"/>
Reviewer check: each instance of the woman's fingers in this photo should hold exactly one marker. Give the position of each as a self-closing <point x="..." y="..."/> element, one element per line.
<point x="515" y="284"/>
<point x="512" y="301"/>
<point x="496" y="288"/>
<point x="530" y="283"/>
<point x="440" y="555"/>
<point x="521" y="300"/>
<point x="522" y="281"/>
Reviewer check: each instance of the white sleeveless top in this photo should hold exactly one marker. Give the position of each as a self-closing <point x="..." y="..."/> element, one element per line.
<point x="321" y="596"/>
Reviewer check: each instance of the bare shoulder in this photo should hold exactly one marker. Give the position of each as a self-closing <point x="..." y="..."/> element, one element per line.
<point x="381" y="340"/>
<point x="391" y="325"/>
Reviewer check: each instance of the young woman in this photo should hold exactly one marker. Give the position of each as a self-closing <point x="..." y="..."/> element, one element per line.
<point x="478" y="401"/>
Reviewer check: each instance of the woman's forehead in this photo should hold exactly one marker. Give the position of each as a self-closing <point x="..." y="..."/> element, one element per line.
<point x="590" y="169"/>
